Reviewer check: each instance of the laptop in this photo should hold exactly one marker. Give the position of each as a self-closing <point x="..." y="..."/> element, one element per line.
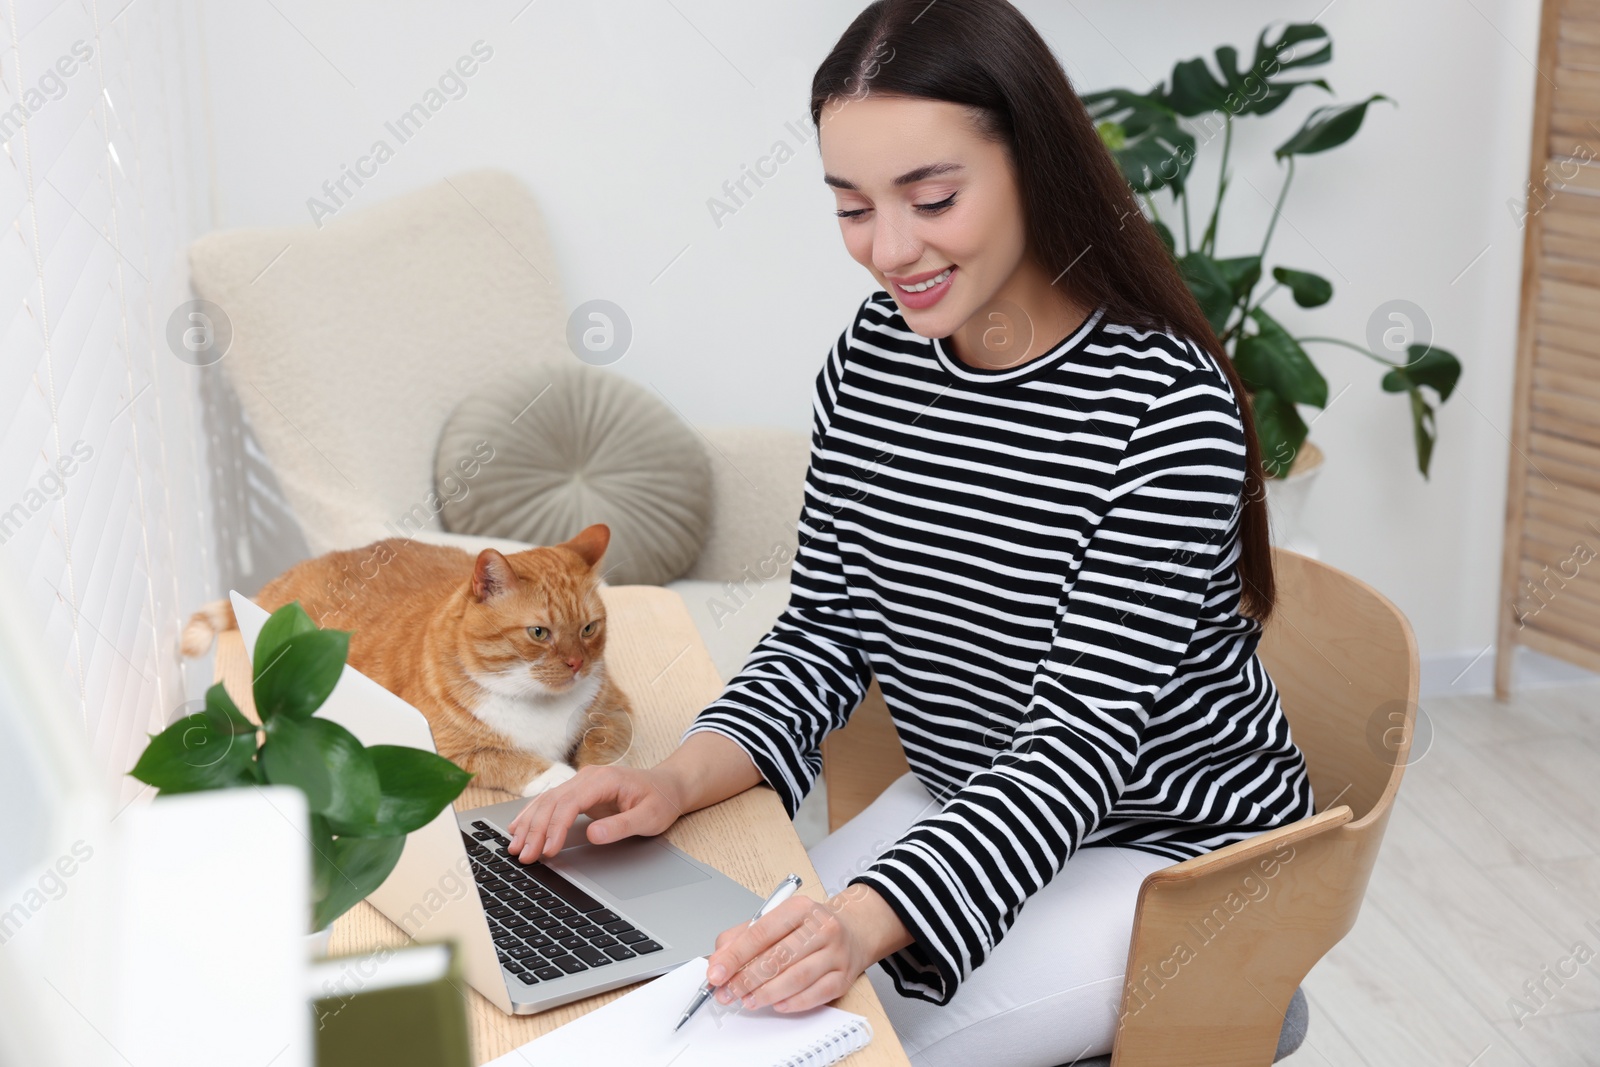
<point x="531" y="937"/>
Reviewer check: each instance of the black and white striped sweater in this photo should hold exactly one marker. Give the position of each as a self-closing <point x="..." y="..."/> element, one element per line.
<point x="1038" y="563"/>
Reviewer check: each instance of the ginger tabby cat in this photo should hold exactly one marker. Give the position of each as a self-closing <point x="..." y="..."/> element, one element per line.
<point x="504" y="655"/>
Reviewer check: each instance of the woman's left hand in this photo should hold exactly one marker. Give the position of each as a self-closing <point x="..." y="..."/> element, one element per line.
<point x="804" y="952"/>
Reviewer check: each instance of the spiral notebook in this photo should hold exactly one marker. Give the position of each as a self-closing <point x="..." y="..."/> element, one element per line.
<point x="636" y="1029"/>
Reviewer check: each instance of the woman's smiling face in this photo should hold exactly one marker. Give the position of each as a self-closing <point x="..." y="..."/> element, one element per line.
<point x="919" y="193"/>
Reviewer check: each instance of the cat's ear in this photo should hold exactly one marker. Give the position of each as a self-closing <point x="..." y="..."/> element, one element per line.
<point x="492" y="576"/>
<point x="590" y="543"/>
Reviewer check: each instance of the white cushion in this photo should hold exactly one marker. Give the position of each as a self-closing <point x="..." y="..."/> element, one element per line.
<point x="353" y="342"/>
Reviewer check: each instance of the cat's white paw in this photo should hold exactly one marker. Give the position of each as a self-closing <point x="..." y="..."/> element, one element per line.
<point x="558" y="773"/>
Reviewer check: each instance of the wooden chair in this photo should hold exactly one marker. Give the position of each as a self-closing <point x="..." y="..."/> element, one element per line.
<point x="1344" y="661"/>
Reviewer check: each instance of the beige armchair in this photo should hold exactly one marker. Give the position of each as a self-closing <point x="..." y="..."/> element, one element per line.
<point x="353" y="342"/>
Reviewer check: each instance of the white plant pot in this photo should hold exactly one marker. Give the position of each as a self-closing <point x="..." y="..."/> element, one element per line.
<point x="1286" y="502"/>
<point x="317" y="943"/>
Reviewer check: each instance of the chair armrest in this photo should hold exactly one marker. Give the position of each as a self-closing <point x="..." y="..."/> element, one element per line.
<point x="1243" y="854"/>
<point x="1221" y="942"/>
<point x="757" y="485"/>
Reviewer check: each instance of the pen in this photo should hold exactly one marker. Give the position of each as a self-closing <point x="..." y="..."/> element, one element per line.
<point x="785" y="890"/>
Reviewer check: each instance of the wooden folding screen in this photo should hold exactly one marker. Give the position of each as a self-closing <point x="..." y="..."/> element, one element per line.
<point x="1550" y="575"/>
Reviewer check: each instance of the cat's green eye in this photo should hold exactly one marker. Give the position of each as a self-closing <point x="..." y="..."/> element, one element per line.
<point x="588" y="631"/>
<point x="538" y="633"/>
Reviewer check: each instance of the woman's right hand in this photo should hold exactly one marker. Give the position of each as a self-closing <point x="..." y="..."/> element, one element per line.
<point x="621" y="801"/>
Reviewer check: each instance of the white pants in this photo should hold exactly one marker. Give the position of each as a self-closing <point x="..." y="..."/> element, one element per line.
<point x="1049" y="992"/>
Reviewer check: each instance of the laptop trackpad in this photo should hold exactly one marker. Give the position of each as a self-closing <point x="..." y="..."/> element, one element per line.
<point x="631" y="867"/>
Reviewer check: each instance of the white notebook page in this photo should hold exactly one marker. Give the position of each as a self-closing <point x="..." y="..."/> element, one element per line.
<point x="636" y="1029"/>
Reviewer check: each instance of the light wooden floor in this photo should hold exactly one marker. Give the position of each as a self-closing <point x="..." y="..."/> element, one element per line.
<point x="1489" y="877"/>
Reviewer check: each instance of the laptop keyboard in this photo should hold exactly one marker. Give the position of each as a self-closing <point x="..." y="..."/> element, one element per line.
<point x="543" y="925"/>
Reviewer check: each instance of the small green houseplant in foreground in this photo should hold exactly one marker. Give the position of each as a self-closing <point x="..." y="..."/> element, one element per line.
<point x="1155" y="152"/>
<point x="363" y="801"/>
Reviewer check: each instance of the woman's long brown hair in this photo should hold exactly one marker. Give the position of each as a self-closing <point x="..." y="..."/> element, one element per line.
<point x="1081" y="213"/>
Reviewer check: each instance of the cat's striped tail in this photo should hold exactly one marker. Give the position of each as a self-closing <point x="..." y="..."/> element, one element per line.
<point x="205" y="625"/>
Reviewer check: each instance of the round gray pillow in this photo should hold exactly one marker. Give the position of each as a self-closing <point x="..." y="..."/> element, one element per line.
<point x="574" y="445"/>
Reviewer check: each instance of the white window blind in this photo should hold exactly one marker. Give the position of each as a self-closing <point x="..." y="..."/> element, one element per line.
<point x="104" y="513"/>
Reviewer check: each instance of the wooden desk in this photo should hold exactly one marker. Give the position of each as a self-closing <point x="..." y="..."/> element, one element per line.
<point x="657" y="657"/>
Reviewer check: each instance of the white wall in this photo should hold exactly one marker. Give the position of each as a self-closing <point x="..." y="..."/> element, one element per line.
<point x="626" y="116"/>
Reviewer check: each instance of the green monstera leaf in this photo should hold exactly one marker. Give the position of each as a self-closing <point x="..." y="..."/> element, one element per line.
<point x="1327" y="127"/>
<point x="1143" y="135"/>
<point x="1154" y="136"/>
<point x="1212" y="288"/>
<point x="1310" y="290"/>
<point x="1280" y="431"/>
<point x="1271" y="360"/>
<point x="1195" y="90"/>
<point x="1439" y="371"/>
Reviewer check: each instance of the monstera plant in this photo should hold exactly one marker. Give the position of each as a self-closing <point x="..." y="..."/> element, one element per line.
<point x="363" y="800"/>
<point x="1156" y="152"/>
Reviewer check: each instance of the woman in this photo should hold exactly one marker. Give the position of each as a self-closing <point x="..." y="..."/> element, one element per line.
<point x="1034" y="512"/>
